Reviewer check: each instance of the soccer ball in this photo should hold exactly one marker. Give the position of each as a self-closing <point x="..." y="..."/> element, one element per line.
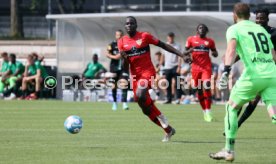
<point x="73" y="124"/>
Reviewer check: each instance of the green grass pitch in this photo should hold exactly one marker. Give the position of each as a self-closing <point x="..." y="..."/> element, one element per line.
<point x="32" y="132"/>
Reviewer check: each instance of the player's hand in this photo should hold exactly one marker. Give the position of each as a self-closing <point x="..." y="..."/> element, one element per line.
<point x="123" y="54"/>
<point x="214" y="55"/>
<point x="178" y="69"/>
<point x="223" y="81"/>
<point x="187" y="59"/>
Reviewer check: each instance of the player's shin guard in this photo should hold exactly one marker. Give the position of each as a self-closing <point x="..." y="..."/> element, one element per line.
<point x="124" y="95"/>
<point x="230" y="126"/>
<point x="200" y="97"/>
<point x="207" y="99"/>
<point x="154" y="114"/>
<point x="114" y="94"/>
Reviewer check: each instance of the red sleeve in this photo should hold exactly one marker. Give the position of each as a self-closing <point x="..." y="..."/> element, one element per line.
<point x="212" y="44"/>
<point x="188" y="43"/>
<point x="151" y="39"/>
<point x="120" y="44"/>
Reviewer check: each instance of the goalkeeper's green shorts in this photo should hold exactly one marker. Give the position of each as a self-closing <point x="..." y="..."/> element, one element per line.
<point x="245" y="90"/>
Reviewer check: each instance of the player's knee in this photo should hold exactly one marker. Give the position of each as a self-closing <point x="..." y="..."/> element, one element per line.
<point x="140" y="95"/>
<point x="146" y="111"/>
<point x="200" y="91"/>
<point x="25" y="79"/>
<point x="234" y="105"/>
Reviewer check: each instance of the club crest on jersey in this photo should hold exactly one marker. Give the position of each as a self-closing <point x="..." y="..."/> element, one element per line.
<point x="206" y="43"/>
<point x="139" y="42"/>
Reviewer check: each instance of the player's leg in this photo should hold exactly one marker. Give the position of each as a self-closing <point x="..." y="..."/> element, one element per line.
<point x="124" y="90"/>
<point x="2" y="85"/>
<point x="248" y="110"/>
<point x="179" y="91"/>
<point x="197" y="84"/>
<point x="269" y="97"/>
<point x="149" y="109"/>
<point x="38" y="81"/>
<point x="242" y="92"/>
<point x="25" y="82"/>
<point x="114" y="92"/>
<point x="12" y="86"/>
<point x="206" y="78"/>
<point x="12" y="81"/>
<point x="168" y="75"/>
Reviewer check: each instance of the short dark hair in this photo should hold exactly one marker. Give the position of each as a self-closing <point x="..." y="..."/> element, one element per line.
<point x="262" y="10"/>
<point x="121" y="31"/>
<point x="242" y="10"/>
<point x="171" y="34"/>
<point x="12" y="55"/>
<point x="4" y="54"/>
<point x="35" y="55"/>
<point x="204" y="25"/>
<point x="132" y="17"/>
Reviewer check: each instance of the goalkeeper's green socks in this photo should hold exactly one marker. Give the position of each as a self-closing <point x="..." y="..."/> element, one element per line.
<point x="230" y="126"/>
<point x="274" y="119"/>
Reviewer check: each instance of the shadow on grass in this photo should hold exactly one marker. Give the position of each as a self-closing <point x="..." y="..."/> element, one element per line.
<point x="97" y="147"/>
<point x="197" y="142"/>
<point x="261" y="138"/>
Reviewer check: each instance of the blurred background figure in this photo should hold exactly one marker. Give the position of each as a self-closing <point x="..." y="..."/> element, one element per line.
<point x="159" y="68"/>
<point x="13" y="77"/>
<point x="215" y="91"/>
<point x="118" y="70"/>
<point x="4" y="70"/>
<point x="93" y="69"/>
<point x="34" y="76"/>
<point x="172" y="65"/>
<point x="201" y="46"/>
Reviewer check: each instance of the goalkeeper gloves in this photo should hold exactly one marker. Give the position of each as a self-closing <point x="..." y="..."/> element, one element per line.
<point x="223" y="81"/>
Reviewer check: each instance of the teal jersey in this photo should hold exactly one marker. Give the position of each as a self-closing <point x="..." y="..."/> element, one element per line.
<point x="42" y="69"/>
<point x="92" y="69"/>
<point x="254" y="48"/>
<point x="5" y="66"/>
<point x="32" y="70"/>
<point x="13" y="67"/>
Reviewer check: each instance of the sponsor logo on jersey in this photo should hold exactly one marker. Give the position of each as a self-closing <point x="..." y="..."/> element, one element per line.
<point x="262" y="60"/>
<point x="134" y="51"/>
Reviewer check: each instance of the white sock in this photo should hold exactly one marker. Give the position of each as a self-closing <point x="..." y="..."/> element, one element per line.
<point x="163" y="121"/>
<point x="207" y="111"/>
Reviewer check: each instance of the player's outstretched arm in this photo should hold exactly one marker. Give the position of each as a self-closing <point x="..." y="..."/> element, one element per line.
<point x="170" y="49"/>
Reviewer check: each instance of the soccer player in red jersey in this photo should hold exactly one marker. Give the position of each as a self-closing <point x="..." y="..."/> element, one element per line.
<point x="134" y="48"/>
<point x="202" y="67"/>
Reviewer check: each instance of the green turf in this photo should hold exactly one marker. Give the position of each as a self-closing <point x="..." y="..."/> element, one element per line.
<point x="33" y="132"/>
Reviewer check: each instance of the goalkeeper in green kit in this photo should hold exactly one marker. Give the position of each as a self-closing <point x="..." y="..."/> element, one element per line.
<point x="253" y="45"/>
